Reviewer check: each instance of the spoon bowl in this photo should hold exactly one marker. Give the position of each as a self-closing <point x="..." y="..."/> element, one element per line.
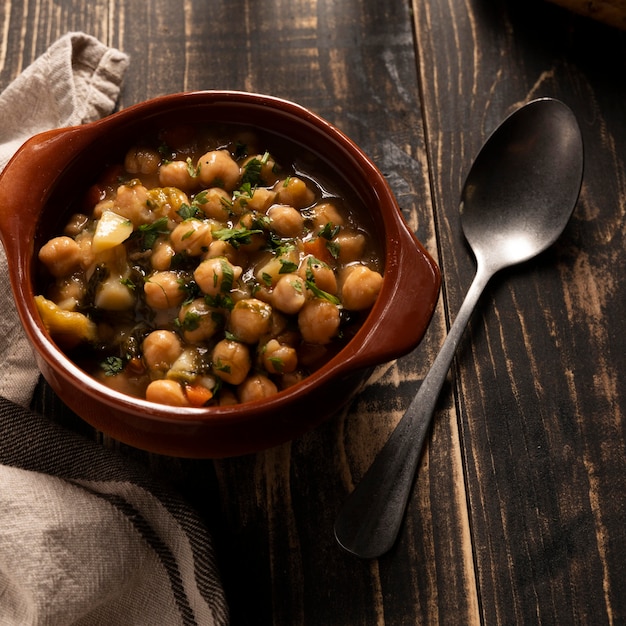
<point x="523" y="185"/>
<point x="517" y="199"/>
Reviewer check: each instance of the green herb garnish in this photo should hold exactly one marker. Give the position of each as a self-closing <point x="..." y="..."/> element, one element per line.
<point x="287" y="267"/>
<point x="329" y="231"/>
<point x="236" y="236"/>
<point x="112" y="365"/>
<point x="192" y="169"/>
<point x="149" y="233"/>
<point x="187" y="211"/>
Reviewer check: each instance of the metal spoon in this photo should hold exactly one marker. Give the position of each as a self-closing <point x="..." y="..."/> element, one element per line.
<point x="516" y="201"/>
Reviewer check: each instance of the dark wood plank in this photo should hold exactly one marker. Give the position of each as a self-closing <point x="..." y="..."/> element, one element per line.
<point x="540" y="374"/>
<point x="517" y="513"/>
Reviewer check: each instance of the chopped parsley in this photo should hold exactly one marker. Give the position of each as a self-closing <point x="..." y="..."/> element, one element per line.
<point x="112" y="365"/>
<point x="149" y="233"/>
<point x="236" y="236"/>
<point x="200" y="198"/>
<point x="191" y="321"/>
<point x="192" y="169"/>
<point x="228" y="276"/>
<point x="312" y="287"/>
<point x="191" y="289"/>
<point x="244" y="194"/>
<point x="189" y="211"/>
<point x="334" y="248"/>
<point x="320" y="293"/>
<point x="220" y="301"/>
<point x="221" y="367"/>
<point x="277" y="363"/>
<point x="329" y="231"/>
<point x="252" y="171"/>
<point x="287" y="267"/>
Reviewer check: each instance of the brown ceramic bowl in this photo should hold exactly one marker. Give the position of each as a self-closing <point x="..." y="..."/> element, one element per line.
<point x="51" y="169"/>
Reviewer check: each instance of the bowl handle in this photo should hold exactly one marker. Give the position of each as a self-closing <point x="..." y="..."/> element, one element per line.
<point x="28" y="177"/>
<point x="403" y="309"/>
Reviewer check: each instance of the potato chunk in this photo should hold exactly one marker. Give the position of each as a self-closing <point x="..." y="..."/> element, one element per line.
<point x="112" y="229"/>
<point x="69" y="328"/>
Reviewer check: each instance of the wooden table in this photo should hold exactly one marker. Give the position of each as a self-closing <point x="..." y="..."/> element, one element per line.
<point x="518" y="515"/>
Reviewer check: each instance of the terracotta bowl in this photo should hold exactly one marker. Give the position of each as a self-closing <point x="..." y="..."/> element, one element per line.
<point x="53" y="167"/>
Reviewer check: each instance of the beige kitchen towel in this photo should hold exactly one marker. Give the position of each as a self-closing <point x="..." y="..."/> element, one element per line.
<point x="87" y="538"/>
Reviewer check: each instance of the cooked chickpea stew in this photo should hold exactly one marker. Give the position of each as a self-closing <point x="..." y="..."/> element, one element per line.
<point x="206" y="269"/>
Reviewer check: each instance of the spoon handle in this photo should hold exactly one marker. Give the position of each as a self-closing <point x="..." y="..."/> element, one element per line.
<point x="370" y="519"/>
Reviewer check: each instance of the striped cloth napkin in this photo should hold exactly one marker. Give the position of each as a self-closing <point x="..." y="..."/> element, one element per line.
<point x="86" y="536"/>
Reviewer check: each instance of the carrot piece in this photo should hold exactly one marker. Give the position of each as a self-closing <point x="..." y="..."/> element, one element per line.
<point x="198" y="395"/>
<point x="318" y="248"/>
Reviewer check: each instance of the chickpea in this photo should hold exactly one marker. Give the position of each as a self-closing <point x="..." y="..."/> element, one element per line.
<point x="360" y="287"/>
<point x="249" y="221"/>
<point x="75" y="225"/>
<point x="131" y="201"/>
<point x="221" y="248"/>
<point x="192" y="236"/>
<point x="162" y="290"/>
<point x="351" y="246"/>
<point x="131" y="385"/>
<point x="177" y="174"/>
<point x="199" y="321"/>
<point x="227" y="397"/>
<point x="162" y="255"/>
<point x="166" y="202"/>
<point x="231" y="361"/>
<point x="326" y="213"/>
<point x="166" y="391"/>
<point x="141" y="160"/>
<point x="269" y="270"/>
<point x="218" y="169"/>
<point x="321" y="274"/>
<point x="278" y="358"/>
<point x="294" y="192"/>
<point x="250" y="319"/>
<point x="87" y="255"/>
<point x="256" y="387"/>
<point x="259" y="200"/>
<point x="285" y="220"/>
<point x="318" y="321"/>
<point x="289" y="294"/>
<point x="61" y="255"/>
<point x="216" y="275"/>
<point x="215" y="203"/>
<point x="290" y="379"/>
<point x="268" y="167"/>
<point x="161" y="348"/>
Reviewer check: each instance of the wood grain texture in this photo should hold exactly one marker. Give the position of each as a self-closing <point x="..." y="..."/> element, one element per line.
<point x="539" y="376"/>
<point x="517" y="515"/>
